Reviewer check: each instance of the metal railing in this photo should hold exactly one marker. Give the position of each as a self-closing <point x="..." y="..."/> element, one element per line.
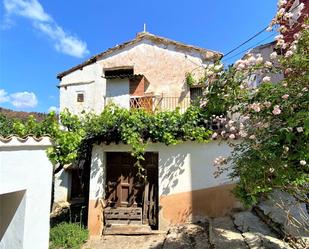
<point x="160" y="103"/>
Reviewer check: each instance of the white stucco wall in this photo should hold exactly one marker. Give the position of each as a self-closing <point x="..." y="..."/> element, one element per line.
<point x="62" y="186"/>
<point x="12" y="219"/>
<point x="182" y="168"/>
<point x="24" y="166"/>
<point x="185" y="176"/>
<point x="97" y="173"/>
<point x="164" y="66"/>
<point x="89" y="81"/>
<point x="117" y="92"/>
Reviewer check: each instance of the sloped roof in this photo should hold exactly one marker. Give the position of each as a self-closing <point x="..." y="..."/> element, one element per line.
<point x="208" y="54"/>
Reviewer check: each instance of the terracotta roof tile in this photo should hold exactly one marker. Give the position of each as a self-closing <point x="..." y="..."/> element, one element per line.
<point x="26" y="139"/>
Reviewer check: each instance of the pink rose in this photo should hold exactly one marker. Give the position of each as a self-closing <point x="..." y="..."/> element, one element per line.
<point x="276" y="110"/>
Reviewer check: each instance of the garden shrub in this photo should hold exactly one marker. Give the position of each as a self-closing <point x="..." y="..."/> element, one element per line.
<point x="68" y="236"/>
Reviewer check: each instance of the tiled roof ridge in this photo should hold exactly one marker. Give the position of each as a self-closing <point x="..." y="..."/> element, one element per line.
<point x="23" y="139"/>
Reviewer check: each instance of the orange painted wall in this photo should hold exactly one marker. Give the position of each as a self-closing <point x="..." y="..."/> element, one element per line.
<point x="95" y="218"/>
<point x="210" y="202"/>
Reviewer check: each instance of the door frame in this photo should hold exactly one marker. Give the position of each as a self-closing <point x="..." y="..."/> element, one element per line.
<point x="154" y="223"/>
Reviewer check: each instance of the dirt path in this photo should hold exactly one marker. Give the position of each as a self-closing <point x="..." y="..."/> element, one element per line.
<point x="126" y="242"/>
<point x="193" y="236"/>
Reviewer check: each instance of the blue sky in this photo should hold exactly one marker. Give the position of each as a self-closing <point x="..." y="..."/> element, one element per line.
<point x="40" y="38"/>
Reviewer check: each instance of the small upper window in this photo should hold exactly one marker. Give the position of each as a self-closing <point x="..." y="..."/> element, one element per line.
<point x="80" y="97"/>
<point x="195" y="93"/>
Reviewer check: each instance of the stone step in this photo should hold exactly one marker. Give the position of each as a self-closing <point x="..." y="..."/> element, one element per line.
<point x="223" y="234"/>
<point x="129" y="230"/>
<point x="246" y="221"/>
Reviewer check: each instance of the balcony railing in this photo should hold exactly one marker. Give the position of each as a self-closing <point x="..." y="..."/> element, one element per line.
<point x="160" y="103"/>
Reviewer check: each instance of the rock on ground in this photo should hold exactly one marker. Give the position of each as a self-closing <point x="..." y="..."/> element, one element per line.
<point x="285" y="210"/>
<point x="257" y="234"/>
<point x="189" y="236"/>
<point x="223" y="234"/>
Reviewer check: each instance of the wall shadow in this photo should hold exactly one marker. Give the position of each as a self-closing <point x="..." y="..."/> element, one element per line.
<point x="96" y="168"/>
<point x="10" y="204"/>
<point x="170" y="169"/>
<point x="189" y="189"/>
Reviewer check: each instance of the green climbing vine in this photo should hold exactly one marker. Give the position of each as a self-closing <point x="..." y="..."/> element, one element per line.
<point x="135" y="127"/>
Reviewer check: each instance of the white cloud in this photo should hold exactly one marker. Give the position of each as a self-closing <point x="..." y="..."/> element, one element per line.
<point x="53" y="109"/>
<point x="30" y="9"/>
<point x="42" y="21"/>
<point x="4" y="96"/>
<point x="64" y="42"/>
<point x="23" y="99"/>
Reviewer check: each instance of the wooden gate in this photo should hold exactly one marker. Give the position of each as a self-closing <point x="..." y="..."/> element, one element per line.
<point x="131" y="200"/>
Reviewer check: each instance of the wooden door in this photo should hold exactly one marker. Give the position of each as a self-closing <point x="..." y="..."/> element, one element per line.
<point x="127" y="196"/>
<point x="122" y="184"/>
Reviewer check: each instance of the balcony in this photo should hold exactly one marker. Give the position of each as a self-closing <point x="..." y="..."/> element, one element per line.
<point x="159" y="103"/>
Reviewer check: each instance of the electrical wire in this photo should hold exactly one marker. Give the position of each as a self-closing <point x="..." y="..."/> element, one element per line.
<point x="245" y="42"/>
<point x="257" y="34"/>
<point x="245" y="50"/>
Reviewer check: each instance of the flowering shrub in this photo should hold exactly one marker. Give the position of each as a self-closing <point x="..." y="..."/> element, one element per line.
<point x="272" y="120"/>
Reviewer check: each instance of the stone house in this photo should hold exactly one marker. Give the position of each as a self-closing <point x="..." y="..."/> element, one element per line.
<point x="293" y="26"/>
<point x="299" y="14"/>
<point x="255" y="79"/>
<point x="147" y="72"/>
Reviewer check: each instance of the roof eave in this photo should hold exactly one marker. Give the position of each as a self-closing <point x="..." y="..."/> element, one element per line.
<point x="206" y="52"/>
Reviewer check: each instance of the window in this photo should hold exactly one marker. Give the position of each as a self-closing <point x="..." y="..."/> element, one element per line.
<point x="80" y="97"/>
<point x="195" y="93"/>
<point x="118" y="72"/>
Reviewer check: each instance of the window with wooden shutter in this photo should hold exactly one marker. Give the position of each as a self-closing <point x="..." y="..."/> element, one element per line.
<point x="80" y="97"/>
<point x="195" y="93"/>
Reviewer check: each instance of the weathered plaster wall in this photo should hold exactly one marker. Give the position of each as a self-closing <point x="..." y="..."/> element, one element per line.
<point x="185" y="177"/>
<point x="62" y="186"/>
<point x="117" y="92"/>
<point x="163" y="66"/>
<point x="25" y="167"/>
<point x="265" y="51"/>
<point x="89" y="81"/>
<point x="96" y="191"/>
